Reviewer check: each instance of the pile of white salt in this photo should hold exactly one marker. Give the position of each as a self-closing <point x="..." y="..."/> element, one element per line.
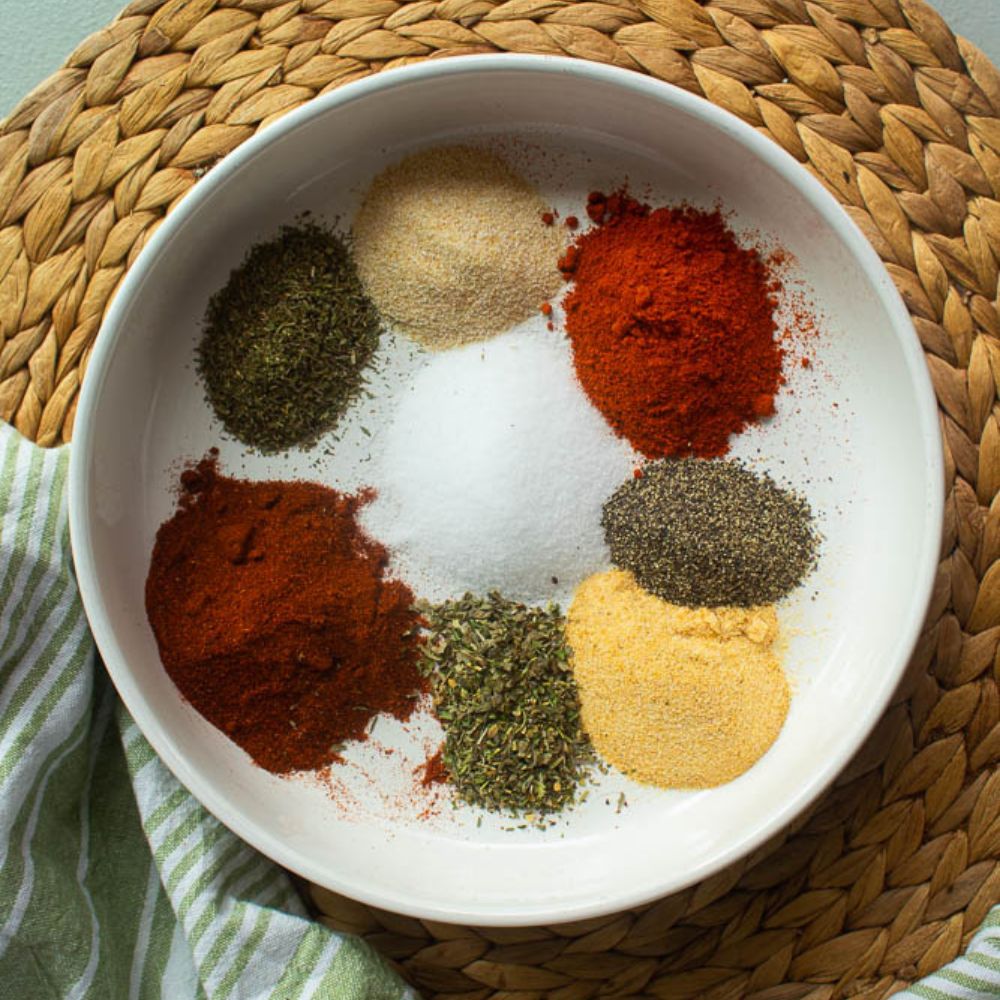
<point x="493" y="474"/>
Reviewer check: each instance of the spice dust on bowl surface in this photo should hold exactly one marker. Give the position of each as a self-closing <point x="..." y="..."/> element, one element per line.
<point x="447" y="453"/>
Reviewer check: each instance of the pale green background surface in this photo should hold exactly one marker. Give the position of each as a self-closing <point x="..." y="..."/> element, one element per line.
<point x="37" y="35"/>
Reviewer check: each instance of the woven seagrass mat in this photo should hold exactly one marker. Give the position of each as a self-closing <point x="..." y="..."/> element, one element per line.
<point x="887" y="876"/>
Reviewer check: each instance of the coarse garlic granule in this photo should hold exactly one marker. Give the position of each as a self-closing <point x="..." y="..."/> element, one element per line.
<point x="672" y="696"/>
<point x="451" y="247"/>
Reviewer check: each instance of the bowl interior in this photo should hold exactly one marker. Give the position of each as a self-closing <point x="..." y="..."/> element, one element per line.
<point x="856" y="432"/>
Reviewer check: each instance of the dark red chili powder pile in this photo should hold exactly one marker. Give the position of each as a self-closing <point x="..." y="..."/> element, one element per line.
<point x="275" y="620"/>
<point x="672" y="326"/>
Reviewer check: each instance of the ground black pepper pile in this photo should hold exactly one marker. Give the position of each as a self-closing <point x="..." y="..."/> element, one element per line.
<point x="710" y="533"/>
<point x="286" y="340"/>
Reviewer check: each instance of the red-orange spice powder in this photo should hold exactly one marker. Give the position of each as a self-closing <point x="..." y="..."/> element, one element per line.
<point x="672" y="326"/>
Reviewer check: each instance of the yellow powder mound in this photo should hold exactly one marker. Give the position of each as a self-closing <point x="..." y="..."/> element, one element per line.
<point x="676" y="697"/>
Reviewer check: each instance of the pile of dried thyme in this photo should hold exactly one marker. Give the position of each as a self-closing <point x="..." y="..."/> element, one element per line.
<point x="286" y="340"/>
<point x="506" y="697"/>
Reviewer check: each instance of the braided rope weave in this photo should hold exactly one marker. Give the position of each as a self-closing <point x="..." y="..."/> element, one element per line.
<point x="888" y="875"/>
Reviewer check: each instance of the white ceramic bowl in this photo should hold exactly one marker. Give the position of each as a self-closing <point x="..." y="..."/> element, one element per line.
<point x="871" y="466"/>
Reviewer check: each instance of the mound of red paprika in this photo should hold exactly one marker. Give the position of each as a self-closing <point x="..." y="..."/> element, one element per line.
<point x="275" y="620"/>
<point x="672" y="326"/>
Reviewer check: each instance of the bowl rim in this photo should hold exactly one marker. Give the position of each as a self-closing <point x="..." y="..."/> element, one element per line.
<point x="353" y="884"/>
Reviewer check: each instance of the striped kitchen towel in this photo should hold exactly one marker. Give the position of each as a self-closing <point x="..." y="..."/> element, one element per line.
<point x="114" y="881"/>
<point x="973" y="976"/>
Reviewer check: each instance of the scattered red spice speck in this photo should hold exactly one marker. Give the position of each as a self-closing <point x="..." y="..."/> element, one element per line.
<point x="597" y="205"/>
<point x="568" y="261"/>
<point x="572" y="222"/>
<point x="550" y="326"/>
<point x="805" y="362"/>
<point x="637" y="472"/>
<point x="548" y="218"/>
<point x="433" y="770"/>
<point x="546" y="308"/>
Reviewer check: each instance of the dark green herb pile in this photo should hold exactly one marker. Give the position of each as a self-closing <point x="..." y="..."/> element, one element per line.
<point x="286" y="340"/>
<point x="505" y="694"/>
<point x="710" y="533"/>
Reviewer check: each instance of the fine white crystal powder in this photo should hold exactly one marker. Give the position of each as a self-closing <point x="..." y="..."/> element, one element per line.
<point x="493" y="474"/>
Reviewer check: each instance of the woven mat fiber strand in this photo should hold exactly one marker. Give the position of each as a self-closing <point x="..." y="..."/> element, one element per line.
<point x="887" y="876"/>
